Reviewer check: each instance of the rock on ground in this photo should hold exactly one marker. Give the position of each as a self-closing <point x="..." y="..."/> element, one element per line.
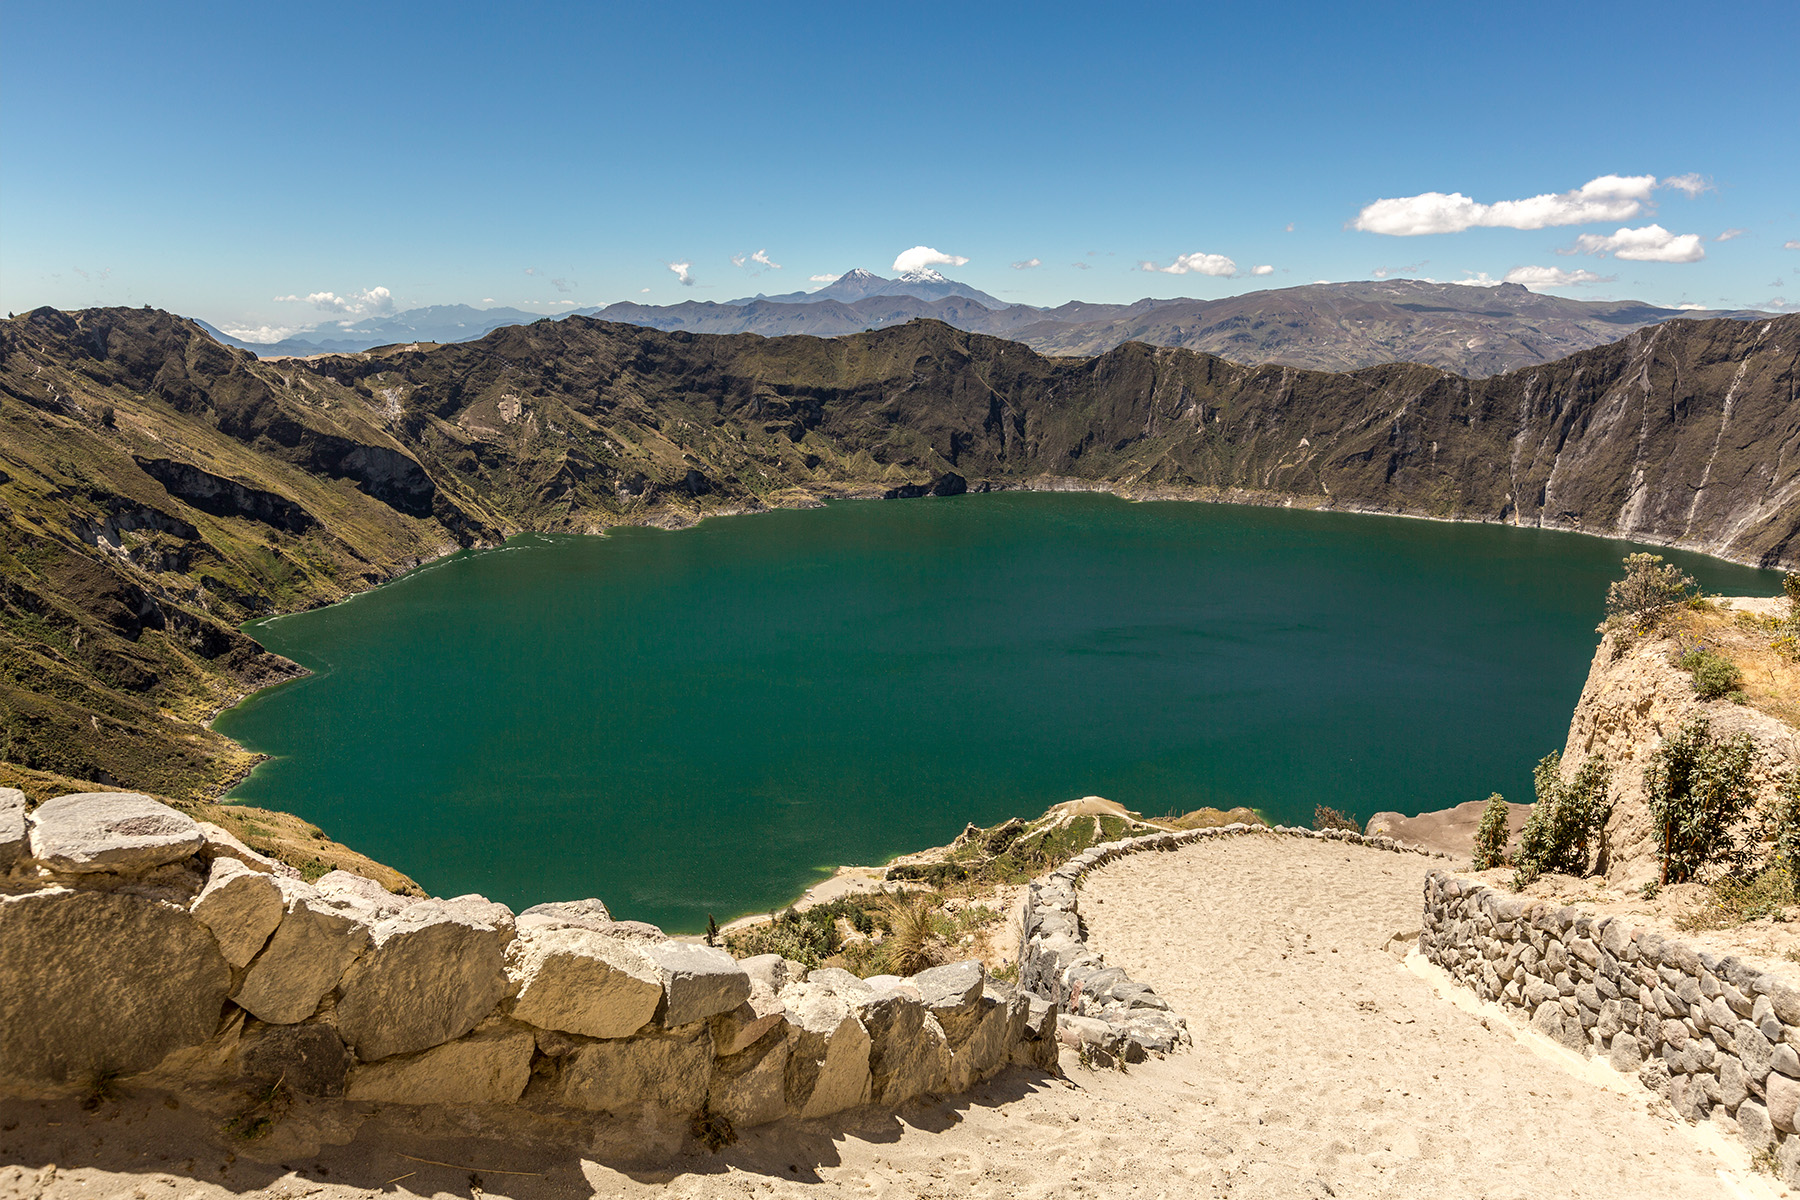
<point x="123" y="832"/>
<point x="431" y="973"/>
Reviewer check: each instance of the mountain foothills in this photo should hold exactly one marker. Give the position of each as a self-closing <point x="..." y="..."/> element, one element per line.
<point x="1473" y="331"/>
<point x="157" y="488"/>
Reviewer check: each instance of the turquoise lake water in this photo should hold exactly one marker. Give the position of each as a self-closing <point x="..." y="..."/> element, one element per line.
<point x="708" y="720"/>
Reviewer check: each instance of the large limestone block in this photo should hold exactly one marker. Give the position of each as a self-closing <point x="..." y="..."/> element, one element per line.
<point x="240" y="906"/>
<point x="490" y="1066"/>
<point x="698" y="982"/>
<point x="576" y="980"/>
<point x="828" y="1051"/>
<point x="124" y="832"/>
<point x="12" y="827"/>
<point x="750" y="1087"/>
<point x="952" y="994"/>
<point x="222" y="843"/>
<point x="574" y="914"/>
<point x="669" y="1070"/>
<point x="748" y="1023"/>
<point x="351" y="893"/>
<point x="92" y="982"/>
<point x="431" y="973"/>
<point x="908" y="1053"/>
<point x="999" y="1026"/>
<point x="305" y="958"/>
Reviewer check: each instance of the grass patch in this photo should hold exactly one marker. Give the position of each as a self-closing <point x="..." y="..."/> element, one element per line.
<point x="1737" y="899"/>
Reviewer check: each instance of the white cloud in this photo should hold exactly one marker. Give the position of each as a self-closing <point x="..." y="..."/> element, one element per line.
<point x="823" y="278"/>
<point x="1083" y="266"/>
<point x="641" y="291"/>
<point x="1777" y="304"/>
<point x="762" y="256"/>
<point x="1652" y="243"/>
<point x="1608" y="198"/>
<point x="262" y="335"/>
<point x="487" y="299"/>
<point x="1195" y="264"/>
<point x="921" y="257"/>
<point x="531" y="270"/>
<point x="1793" y="245"/>
<point x="1691" y="307"/>
<point x="1290" y="227"/>
<point x="1731" y="233"/>
<point x="370" y="301"/>
<point x="1690" y="183"/>
<point x="1553" y="277"/>
<point x="1025" y="264"/>
<point x="1476" y="279"/>
<point x="1265" y="269"/>
<point x="683" y="271"/>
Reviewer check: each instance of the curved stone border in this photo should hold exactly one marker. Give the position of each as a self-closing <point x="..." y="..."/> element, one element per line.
<point x="1701" y="1030"/>
<point x="1106" y="1011"/>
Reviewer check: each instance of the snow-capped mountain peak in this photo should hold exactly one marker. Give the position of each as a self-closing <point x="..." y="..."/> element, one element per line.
<point x="922" y="275"/>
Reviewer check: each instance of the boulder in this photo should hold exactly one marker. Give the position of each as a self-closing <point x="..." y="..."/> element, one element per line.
<point x="1037" y="1044"/>
<point x="12" y="827"/>
<point x="773" y="971"/>
<point x="575" y="980"/>
<point x="1783" y="1101"/>
<point x="750" y="1087"/>
<point x="311" y="1059"/>
<point x="669" y="1070"/>
<point x="123" y="832"/>
<point x="952" y="994"/>
<point x="828" y="1051"/>
<point x="366" y="899"/>
<point x="489" y="1066"/>
<point x="908" y="1053"/>
<point x="221" y="843"/>
<point x="578" y="914"/>
<point x="240" y="907"/>
<point x="305" y="958"/>
<point x="746" y="1024"/>
<point x="98" y="982"/>
<point x="698" y="982"/>
<point x="431" y="973"/>
<point x="999" y="1025"/>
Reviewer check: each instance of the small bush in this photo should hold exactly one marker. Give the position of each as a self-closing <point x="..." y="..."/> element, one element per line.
<point x="1492" y="834"/>
<point x="1564" y="820"/>
<point x="1698" y="789"/>
<point x="1331" y="818"/>
<point x="1735" y="899"/>
<point x="914" y="943"/>
<point x="1649" y="589"/>
<point x="1714" y="674"/>
<point x="1782" y="829"/>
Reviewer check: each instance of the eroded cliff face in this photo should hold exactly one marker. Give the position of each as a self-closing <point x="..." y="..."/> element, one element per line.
<point x="1635" y="697"/>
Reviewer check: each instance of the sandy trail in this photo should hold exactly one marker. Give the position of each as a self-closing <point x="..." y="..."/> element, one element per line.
<point x="1323" y="1067"/>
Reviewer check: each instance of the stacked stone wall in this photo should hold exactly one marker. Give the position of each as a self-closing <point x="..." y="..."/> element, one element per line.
<point x="142" y="947"/>
<point x="1108" y="1013"/>
<point x="1708" y="1033"/>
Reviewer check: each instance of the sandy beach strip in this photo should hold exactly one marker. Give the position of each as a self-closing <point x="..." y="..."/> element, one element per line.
<point x="1323" y="1066"/>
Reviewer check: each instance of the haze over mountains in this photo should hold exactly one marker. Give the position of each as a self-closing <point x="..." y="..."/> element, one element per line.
<point x="1473" y="331"/>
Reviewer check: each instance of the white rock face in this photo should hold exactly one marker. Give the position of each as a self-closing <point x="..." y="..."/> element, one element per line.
<point x="491" y="1066"/>
<point x="698" y="982"/>
<point x="309" y="952"/>
<point x="431" y="973"/>
<point x="12" y="827"/>
<point x="240" y="906"/>
<point x="828" y="1051"/>
<point x="124" y="832"/>
<point x="1634" y="697"/>
<point x="668" y="1070"/>
<point x="92" y="982"/>
<point x="909" y="1054"/>
<point x="364" y="897"/>
<point x="575" y="980"/>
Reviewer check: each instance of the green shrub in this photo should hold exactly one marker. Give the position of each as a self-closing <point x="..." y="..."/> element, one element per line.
<point x="1331" y="818"/>
<point x="1782" y="829"/>
<point x="1698" y="788"/>
<point x="1714" y="674"/>
<point x="1650" y="588"/>
<point x="1735" y="899"/>
<point x="1565" y="819"/>
<point x="1492" y="834"/>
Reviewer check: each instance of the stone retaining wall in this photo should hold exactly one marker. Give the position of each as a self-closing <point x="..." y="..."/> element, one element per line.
<point x="1705" y="1032"/>
<point x="137" y="943"/>
<point x="1108" y="1013"/>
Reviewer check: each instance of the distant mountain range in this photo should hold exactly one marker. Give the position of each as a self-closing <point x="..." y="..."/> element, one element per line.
<point x="1473" y="331"/>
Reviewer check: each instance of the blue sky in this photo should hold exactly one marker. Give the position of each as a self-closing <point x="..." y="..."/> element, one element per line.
<point x="275" y="166"/>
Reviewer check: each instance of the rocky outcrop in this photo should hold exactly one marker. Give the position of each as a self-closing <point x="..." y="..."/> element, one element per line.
<point x="207" y="971"/>
<point x="1706" y="1032"/>
<point x="1635" y="696"/>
